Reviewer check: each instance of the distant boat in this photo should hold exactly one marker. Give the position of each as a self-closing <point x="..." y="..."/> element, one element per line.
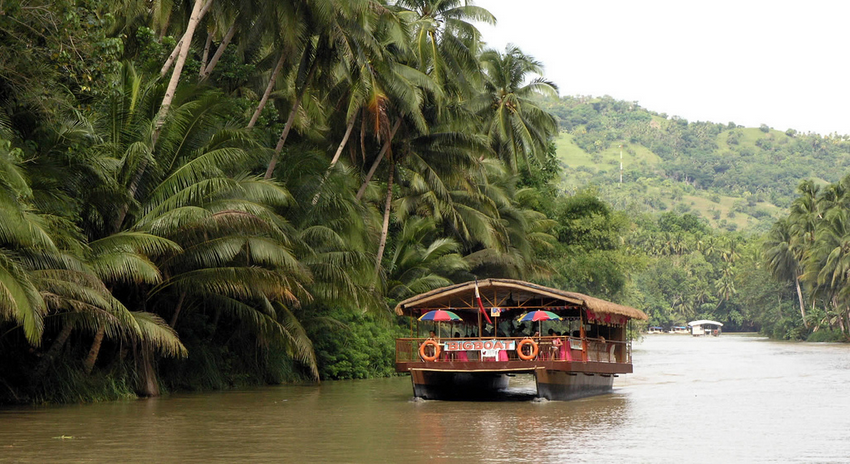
<point x="705" y="327"/>
<point x="655" y="330"/>
<point x="679" y="329"/>
<point x="592" y="348"/>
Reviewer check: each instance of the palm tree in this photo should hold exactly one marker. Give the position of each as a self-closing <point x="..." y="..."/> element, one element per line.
<point x="21" y="230"/>
<point x="194" y="19"/>
<point x="440" y="158"/>
<point x="335" y="31"/>
<point x="373" y="87"/>
<point x="78" y="299"/>
<point x="516" y="126"/>
<point x="725" y="286"/>
<point x="445" y="44"/>
<point x="419" y="262"/>
<point x="232" y="249"/>
<point x="805" y="214"/>
<point x="829" y="261"/>
<point x="782" y="255"/>
<point x="125" y="257"/>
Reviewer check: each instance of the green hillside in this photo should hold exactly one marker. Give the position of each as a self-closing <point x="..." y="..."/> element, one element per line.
<point x="734" y="177"/>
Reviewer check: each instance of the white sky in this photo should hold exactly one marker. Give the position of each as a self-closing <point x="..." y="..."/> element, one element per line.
<point x="784" y="64"/>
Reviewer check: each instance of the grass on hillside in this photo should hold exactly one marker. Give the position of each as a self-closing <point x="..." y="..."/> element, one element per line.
<point x="676" y="196"/>
<point x="749" y="136"/>
<point x="573" y="156"/>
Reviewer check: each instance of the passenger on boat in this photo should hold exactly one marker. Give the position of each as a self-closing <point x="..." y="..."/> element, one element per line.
<point x="557" y="344"/>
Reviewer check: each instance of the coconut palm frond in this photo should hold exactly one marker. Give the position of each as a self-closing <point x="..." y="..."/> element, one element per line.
<point x="299" y="343"/>
<point x="155" y="333"/>
<point x="20" y="301"/>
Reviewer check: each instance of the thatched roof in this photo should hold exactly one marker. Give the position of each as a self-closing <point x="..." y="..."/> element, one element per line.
<point x="503" y="292"/>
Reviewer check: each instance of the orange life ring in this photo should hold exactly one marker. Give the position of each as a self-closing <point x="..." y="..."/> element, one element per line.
<point x="436" y="350"/>
<point x="534" y="349"/>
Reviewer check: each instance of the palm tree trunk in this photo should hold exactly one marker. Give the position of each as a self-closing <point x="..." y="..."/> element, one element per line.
<point x="336" y="157"/>
<point x="268" y="91"/>
<point x="377" y="161"/>
<point x="343" y="142"/>
<point x="177" y="309"/>
<point x="173" y="56"/>
<point x="290" y="120"/>
<point x="847" y="315"/>
<point x="170" y="60"/>
<point x="800" y="299"/>
<point x="54" y="350"/>
<point x="207" y="70"/>
<point x="834" y="303"/>
<point x="206" y="54"/>
<point x="148" y="385"/>
<point x="88" y="364"/>
<point x="194" y="19"/>
<point x="386" y="226"/>
<point x="363" y="135"/>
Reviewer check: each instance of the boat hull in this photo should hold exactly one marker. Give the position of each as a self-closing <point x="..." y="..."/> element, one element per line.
<point x="564" y="386"/>
<point x="551" y="384"/>
<point x="436" y="385"/>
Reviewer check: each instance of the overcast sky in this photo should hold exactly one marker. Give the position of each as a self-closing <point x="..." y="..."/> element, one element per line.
<point x="784" y="64"/>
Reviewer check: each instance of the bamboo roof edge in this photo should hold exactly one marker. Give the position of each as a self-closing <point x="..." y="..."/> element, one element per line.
<point x="597" y="305"/>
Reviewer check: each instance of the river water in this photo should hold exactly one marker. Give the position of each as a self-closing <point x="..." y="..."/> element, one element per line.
<point x="734" y="398"/>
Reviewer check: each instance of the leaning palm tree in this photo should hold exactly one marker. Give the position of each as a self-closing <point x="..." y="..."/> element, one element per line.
<point x="335" y="31"/>
<point x="78" y="299"/>
<point x="782" y="255"/>
<point x="125" y="257"/>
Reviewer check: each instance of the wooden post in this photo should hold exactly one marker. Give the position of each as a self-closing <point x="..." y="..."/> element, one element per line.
<point x="583" y="335"/>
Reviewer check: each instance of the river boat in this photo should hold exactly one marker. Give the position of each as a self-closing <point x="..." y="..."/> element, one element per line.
<point x="584" y="346"/>
<point x="679" y="330"/>
<point x="655" y="330"/>
<point x="705" y="327"/>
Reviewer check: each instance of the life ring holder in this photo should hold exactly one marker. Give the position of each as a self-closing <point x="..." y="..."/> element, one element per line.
<point x="436" y="350"/>
<point x="534" y="349"/>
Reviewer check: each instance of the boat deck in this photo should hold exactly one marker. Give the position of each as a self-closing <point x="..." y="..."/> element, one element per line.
<point x="591" y="356"/>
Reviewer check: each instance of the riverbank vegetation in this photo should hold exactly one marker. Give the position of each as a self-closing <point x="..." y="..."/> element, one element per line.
<point x="206" y="194"/>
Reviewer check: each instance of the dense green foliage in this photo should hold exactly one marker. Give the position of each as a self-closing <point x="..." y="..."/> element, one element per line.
<point x="207" y="194"/>
<point x="809" y="250"/>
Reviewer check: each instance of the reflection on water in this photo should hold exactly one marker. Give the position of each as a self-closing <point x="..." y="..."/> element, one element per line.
<point x="732" y="398"/>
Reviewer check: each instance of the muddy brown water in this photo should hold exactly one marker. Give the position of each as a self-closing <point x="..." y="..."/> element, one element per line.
<point x="734" y="398"/>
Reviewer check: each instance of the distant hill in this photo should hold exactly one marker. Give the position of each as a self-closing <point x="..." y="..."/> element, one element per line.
<point x="737" y="178"/>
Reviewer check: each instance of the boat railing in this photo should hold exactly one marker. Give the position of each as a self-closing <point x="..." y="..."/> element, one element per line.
<point x="474" y="349"/>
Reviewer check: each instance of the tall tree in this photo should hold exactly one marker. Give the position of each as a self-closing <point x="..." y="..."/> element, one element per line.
<point x="516" y="126"/>
<point x="783" y="255"/>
